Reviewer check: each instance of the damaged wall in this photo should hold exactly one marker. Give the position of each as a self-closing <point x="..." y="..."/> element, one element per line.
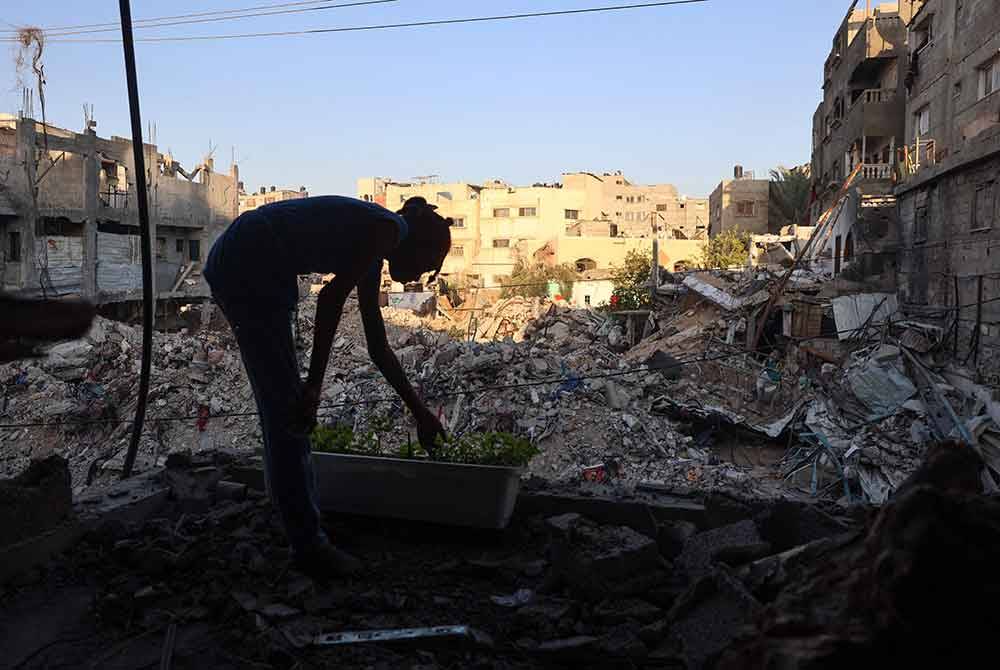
<point x="949" y="204"/>
<point x="85" y="180"/>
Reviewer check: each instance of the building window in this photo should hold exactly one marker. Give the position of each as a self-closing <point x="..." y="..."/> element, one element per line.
<point x="501" y="213"/>
<point x="984" y="206"/>
<point x="458" y="222"/>
<point x="527" y="211"/>
<point x="989" y="78"/>
<point x="746" y="208"/>
<point x="457" y="251"/>
<point x="14" y="246"/>
<point x="618" y="197"/>
<point x="586" y="300"/>
<point x="956" y="90"/>
<point x="585" y="264"/>
<point x="572" y="214"/>
<point x="923" y="34"/>
<point x="194" y="250"/>
<point x="614" y="230"/>
<point x="661" y="208"/>
<point x="161" y="248"/>
<point x="922" y="120"/>
<point x="501" y="244"/>
<point x="179" y="246"/>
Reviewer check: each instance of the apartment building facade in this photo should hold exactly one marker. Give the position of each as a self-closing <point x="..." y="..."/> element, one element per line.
<point x="949" y="189"/>
<point x="858" y="132"/>
<point x="266" y="196"/>
<point x="79" y="234"/>
<point x="741" y="204"/>
<point x="591" y="221"/>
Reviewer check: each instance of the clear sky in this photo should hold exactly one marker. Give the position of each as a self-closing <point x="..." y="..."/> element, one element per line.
<point x="676" y="94"/>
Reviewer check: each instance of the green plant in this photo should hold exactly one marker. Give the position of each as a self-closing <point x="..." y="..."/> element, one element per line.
<point x="531" y="281"/>
<point x="727" y="249"/>
<point x="501" y="449"/>
<point x="791" y="190"/>
<point x="631" y="281"/>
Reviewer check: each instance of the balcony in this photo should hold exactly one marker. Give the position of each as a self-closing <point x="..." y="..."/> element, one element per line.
<point x="917" y="156"/>
<point x="876" y="172"/>
<point x="874" y="96"/>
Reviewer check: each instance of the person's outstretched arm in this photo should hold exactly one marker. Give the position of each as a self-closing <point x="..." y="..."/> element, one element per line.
<point x="428" y="426"/>
<point x="329" y="308"/>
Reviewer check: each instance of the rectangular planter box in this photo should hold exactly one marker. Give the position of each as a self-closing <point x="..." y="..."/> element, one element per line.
<point x="478" y="496"/>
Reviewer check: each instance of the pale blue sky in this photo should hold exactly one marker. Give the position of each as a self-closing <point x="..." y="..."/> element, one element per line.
<point x="674" y="94"/>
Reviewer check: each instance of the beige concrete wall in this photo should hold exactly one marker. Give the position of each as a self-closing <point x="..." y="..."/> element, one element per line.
<point x="538" y="217"/>
<point x="250" y="201"/>
<point x="727" y="213"/>
<point x="611" y="252"/>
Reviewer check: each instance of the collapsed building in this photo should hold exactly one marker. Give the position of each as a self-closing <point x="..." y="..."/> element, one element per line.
<point x="69" y="218"/>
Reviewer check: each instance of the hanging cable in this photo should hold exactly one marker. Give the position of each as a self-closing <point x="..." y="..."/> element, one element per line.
<point x="390" y="26"/>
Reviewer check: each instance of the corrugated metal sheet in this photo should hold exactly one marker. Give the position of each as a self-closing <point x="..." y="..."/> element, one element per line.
<point x="119" y="263"/>
<point x="852" y="311"/>
<point x="63" y="257"/>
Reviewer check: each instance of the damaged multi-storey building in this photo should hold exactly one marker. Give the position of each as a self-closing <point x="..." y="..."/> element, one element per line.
<point x="858" y="130"/>
<point x="69" y="219"/>
<point x="949" y="195"/>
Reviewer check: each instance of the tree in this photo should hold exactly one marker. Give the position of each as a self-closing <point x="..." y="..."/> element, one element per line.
<point x="790" y="194"/>
<point x="531" y="280"/>
<point x="631" y="281"/>
<point x="727" y="249"/>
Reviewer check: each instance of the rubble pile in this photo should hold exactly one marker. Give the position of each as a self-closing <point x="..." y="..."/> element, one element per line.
<point x="702" y="582"/>
<point x="536" y="387"/>
<point x="206" y="581"/>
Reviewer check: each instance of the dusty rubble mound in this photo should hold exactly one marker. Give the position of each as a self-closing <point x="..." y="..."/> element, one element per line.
<point x="559" y="383"/>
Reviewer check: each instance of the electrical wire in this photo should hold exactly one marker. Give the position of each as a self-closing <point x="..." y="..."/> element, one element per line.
<point x="56" y="35"/>
<point x="389" y="26"/>
<point x="114" y="25"/>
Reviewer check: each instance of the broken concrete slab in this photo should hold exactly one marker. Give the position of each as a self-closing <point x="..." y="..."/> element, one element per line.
<point x="129" y="501"/>
<point x="642" y="512"/>
<point x="597" y="561"/>
<point x="707" y="618"/>
<point x="702" y="549"/>
<point x="35" y="501"/>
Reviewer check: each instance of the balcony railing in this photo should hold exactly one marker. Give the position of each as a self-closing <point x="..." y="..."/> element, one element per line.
<point x="920" y="154"/>
<point x="876" y="171"/>
<point x="874" y="96"/>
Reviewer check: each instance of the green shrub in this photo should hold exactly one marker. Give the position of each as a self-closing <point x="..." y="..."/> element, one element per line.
<point x="500" y="449"/>
<point x="531" y="281"/>
<point x="631" y="282"/>
<point x="727" y="249"/>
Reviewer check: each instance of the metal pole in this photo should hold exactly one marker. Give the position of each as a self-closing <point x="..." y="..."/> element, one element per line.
<point x="147" y="260"/>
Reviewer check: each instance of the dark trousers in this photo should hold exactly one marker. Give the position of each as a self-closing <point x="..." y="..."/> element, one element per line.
<point x="263" y="328"/>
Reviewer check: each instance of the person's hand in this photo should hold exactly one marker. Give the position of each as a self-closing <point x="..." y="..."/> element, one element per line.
<point x="305" y="408"/>
<point x="429" y="429"/>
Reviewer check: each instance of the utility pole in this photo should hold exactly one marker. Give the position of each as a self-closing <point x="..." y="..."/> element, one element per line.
<point x="148" y="304"/>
